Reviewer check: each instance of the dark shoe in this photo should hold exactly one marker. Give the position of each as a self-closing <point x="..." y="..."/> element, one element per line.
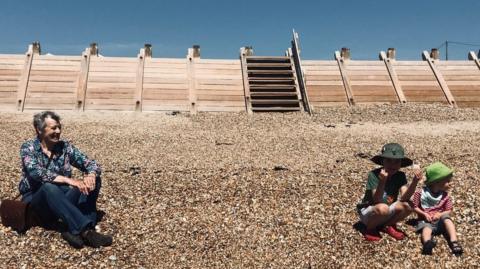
<point x="73" y="240"/>
<point x="96" y="240"/>
<point x="457" y="250"/>
<point x="428" y="247"/>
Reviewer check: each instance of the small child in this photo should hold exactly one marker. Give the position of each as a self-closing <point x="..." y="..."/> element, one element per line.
<point x="433" y="207"/>
<point x="387" y="195"/>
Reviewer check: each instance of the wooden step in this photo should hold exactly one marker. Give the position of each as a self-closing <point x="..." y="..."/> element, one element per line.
<point x="272" y="65"/>
<point x="274" y="90"/>
<point x="268" y="68"/>
<point x="273" y="94"/>
<point x="271" y="79"/>
<point x="274" y="102"/>
<point x="289" y="71"/>
<point x="276" y="108"/>
<point x="268" y="81"/>
<point x="271" y="86"/>
<point x="268" y="61"/>
<point x="284" y="58"/>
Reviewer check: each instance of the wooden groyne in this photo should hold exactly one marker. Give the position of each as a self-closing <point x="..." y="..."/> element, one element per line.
<point x="250" y="83"/>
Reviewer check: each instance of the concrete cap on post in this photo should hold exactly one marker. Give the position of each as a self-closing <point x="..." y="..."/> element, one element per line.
<point x="36" y="48"/>
<point x="148" y="50"/>
<point x="435" y="54"/>
<point x="472" y="56"/>
<point x="94" y="49"/>
<point x="345" y="53"/>
<point x="196" y="51"/>
<point x="248" y="51"/>
<point x="391" y="53"/>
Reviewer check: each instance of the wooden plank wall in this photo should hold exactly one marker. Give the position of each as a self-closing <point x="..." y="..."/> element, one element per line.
<point x="463" y="80"/>
<point x="324" y="83"/>
<point x="52" y="82"/>
<point x="418" y="82"/>
<point x="111" y="83"/>
<point x="11" y="67"/>
<point x="165" y="85"/>
<point x="219" y="85"/>
<point x="370" y="82"/>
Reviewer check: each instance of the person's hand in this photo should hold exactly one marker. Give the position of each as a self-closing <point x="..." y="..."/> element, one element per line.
<point x="82" y="187"/>
<point x="427" y="217"/>
<point x="383" y="175"/>
<point x="436" y="216"/>
<point x="89" y="181"/>
<point x="417" y="172"/>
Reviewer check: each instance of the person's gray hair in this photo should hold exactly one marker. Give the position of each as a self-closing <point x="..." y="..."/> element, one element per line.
<point x="39" y="119"/>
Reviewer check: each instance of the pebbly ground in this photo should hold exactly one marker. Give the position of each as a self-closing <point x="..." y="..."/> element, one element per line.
<point x="228" y="190"/>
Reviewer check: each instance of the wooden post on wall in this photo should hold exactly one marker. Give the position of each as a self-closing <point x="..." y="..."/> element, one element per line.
<point x="145" y="52"/>
<point x="244" y="53"/>
<point x="83" y="76"/>
<point x="473" y="57"/>
<point x="33" y="49"/>
<point x="289" y="54"/>
<point x="297" y="64"/>
<point x="431" y="58"/>
<point x="192" y="56"/>
<point x="342" y="58"/>
<point x="387" y="58"/>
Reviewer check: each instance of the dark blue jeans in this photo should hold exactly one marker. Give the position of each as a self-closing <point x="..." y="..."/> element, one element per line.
<point x="53" y="201"/>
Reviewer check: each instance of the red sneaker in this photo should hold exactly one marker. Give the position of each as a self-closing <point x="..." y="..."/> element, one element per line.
<point x="394" y="232"/>
<point x="372" y="235"/>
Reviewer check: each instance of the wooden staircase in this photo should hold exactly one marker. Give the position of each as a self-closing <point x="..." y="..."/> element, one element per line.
<point x="272" y="84"/>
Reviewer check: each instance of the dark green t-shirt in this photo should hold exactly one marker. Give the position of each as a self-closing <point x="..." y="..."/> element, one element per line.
<point x="392" y="186"/>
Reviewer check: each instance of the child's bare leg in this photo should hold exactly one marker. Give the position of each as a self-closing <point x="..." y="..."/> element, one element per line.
<point x="427" y="242"/>
<point x="402" y="210"/>
<point x="379" y="216"/>
<point x="450" y="227"/>
<point x="452" y="234"/>
<point x="426" y="234"/>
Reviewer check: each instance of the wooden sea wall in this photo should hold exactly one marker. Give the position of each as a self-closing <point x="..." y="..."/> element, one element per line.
<point x="192" y="84"/>
<point x="391" y="81"/>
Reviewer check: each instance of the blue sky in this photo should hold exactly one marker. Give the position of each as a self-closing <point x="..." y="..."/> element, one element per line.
<point x="66" y="27"/>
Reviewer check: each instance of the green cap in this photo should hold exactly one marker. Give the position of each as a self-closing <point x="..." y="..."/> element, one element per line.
<point x="436" y="172"/>
<point x="392" y="151"/>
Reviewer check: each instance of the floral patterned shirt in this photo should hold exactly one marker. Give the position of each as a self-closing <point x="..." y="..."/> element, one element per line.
<point x="37" y="167"/>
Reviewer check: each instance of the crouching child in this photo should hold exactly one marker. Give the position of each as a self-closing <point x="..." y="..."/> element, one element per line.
<point x="387" y="195"/>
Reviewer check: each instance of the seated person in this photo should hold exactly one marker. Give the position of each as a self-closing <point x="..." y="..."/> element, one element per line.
<point x="48" y="186"/>
<point x="433" y="207"/>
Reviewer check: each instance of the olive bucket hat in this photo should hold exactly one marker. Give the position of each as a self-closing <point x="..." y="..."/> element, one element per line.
<point x="392" y="151"/>
<point x="436" y="172"/>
